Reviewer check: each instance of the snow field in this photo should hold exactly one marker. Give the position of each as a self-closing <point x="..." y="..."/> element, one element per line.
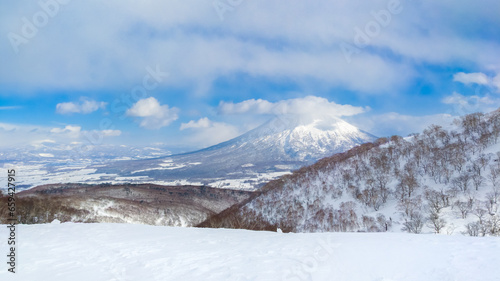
<point x="77" y="252"/>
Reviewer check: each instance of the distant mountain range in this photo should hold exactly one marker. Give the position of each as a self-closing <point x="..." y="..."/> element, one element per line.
<point x="279" y="146"/>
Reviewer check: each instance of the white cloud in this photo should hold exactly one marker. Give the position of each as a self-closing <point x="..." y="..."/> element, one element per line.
<point x="471" y="78"/>
<point x="309" y="106"/>
<point x="258" y="38"/>
<point x="201" y="123"/>
<point x="249" y="106"/>
<point x="85" y="106"/>
<point x="76" y="132"/>
<point x="469" y="104"/>
<point x="154" y="115"/>
<point x="38" y="136"/>
<point x="496" y="82"/>
<point x="479" y="78"/>
<point x="206" y="132"/>
<point x="9" y="107"/>
<point x="47" y="155"/>
<point x="462" y="100"/>
<point x="43" y="141"/>
<point x="16" y="135"/>
<point x="69" y="130"/>
<point x="111" y="133"/>
<point x="393" y="123"/>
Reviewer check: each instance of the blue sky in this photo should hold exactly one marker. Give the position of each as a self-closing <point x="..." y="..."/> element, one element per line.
<point x="144" y="72"/>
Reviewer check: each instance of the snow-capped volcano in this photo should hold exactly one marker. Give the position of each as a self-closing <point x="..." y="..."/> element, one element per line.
<point x="282" y="144"/>
<point x="297" y="138"/>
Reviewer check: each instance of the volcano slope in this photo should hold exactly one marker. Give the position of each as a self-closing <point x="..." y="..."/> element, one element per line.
<point x="279" y="146"/>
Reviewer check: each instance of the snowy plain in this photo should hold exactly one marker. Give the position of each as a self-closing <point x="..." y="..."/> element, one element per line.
<point x="72" y="251"/>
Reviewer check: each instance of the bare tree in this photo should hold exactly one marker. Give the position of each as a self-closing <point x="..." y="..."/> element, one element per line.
<point x="457" y="155"/>
<point x="491" y="202"/>
<point x="414" y="223"/>
<point x="494" y="176"/>
<point x="480" y="213"/>
<point x="408" y="206"/>
<point x="462" y="181"/>
<point x="481" y="162"/>
<point x="348" y="218"/>
<point x="472" y="229"/>
<point x="495" y="124"/>
<point x="464" y="208"/>
<point x="408" y="183"/>
<point x="493" y="225"/>
<point x="436" y="222"/>
<point x="384" y="224"/>
<point x="477" y="180"/>
<point x="370" y="224"/>
<point x="382" y="179"/>
<point x="435" y="200"/>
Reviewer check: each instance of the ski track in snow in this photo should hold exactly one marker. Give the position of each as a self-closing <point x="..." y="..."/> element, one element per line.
<point x="95" y="252"/>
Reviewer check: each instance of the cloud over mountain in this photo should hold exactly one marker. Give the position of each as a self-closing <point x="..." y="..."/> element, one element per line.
<point x="152" y="114"/>
<point x="85" y="106"/>
<point x="310" y="105"/>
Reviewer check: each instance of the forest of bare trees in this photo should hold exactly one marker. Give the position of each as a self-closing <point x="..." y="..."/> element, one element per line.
<point x="439" y="181"/>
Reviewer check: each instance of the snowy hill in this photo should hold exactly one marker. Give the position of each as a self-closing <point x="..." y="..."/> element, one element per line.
<point x="436" y="182"/>
<point x="48" y="162"/>
<point x="275" y="148"/>
<point x="129" y="203"/>
<point x="82" y="252"/>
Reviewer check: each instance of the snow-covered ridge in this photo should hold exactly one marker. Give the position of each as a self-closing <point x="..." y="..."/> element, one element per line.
<point x="145" y="203"/>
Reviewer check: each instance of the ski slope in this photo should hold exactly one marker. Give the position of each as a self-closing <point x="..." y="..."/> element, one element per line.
<point x="82" y="252"/>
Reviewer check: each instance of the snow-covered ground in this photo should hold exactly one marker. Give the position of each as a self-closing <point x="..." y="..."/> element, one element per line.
<point x="139" y="252"/>
<point x="31" y="175"/>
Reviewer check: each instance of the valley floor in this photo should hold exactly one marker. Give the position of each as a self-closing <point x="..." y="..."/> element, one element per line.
<point x="76" y="252"/>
